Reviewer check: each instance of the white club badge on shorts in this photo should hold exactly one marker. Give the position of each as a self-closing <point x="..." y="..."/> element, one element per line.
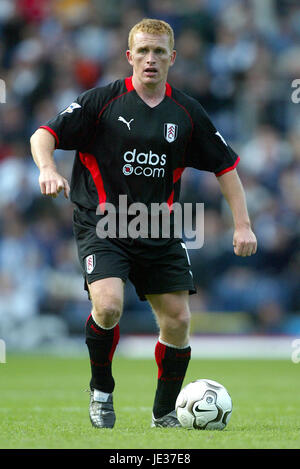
<point x="90" y="262"/>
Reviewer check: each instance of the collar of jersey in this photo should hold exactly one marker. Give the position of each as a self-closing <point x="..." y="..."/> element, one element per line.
<point x="130" y="87"/>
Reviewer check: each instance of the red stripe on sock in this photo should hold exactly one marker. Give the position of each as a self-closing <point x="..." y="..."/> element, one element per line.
<point x="99" y="364"/>
<point x="173" y="378"/>
<point x="115" y="342"/>
<point x="98" y="331"/>
<point x="183" y="355"/>
<point x="160" y="350"/>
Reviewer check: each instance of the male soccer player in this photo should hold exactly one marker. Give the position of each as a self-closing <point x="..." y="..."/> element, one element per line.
<point x="134" y="137"/>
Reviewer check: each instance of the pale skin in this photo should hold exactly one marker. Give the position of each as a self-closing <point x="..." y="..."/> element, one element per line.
<point x="150" y="57"/>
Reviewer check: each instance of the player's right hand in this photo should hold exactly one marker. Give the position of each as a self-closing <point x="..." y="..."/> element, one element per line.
<point x="52" y="183"/>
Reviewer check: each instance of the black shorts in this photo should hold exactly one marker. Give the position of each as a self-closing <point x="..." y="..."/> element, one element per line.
<point x="153" y="266"/>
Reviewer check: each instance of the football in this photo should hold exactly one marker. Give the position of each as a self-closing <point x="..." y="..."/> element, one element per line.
<point x="204" y="404"/>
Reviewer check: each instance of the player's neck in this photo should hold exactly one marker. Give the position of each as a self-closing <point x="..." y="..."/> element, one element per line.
<point x="152" y="94"/>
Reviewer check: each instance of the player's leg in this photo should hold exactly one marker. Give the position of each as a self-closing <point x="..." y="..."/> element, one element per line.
<point x="102" y="329"/>
<point x="165" y="280"/>
<point x="172" y="352"/>
<point x="102" y="336"/>
<point x="105" y="266"/>
<point x="173" y="316"/>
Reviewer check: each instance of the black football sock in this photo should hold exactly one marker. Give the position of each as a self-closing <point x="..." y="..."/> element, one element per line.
<point x="172" y="365"/>
<point x="101" y="344"/>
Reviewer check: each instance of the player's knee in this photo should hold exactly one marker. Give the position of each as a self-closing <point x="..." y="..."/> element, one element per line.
<point x="184" y="321"/>
<point x="107" y="313"/>
<point x="179" y="322"/>
<point x="175" y="329"/>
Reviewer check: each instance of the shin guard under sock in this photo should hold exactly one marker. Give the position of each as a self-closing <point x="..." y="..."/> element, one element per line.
<point x="172" y="365"/>
<point x="101" y="344"/>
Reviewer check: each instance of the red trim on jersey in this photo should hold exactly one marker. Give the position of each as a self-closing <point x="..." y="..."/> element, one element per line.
<point x="88" y="319"/>
<point x="170" y="200"/>
<point x="186" y="111"/>
<point x="191" y="120"/>
<point x="130" y="87"/>
<point x="228" y="169"/>
<point x="176" y="176"/>
<point x="168" y="90"/>
<point x="160" y="351"/>
<point x="115" y="342"/>
<point x="128" y="84"/>
<point x="90" y="162"/>
<point x="107" y="104"/>
<point x="51" y="132"/>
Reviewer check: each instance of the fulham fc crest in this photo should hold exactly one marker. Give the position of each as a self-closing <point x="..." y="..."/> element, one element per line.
<point x="90" y="262"/>
<point x="170" y="131"/>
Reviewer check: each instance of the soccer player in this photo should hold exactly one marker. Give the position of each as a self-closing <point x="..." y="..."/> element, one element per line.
<point x="134" y="138"/>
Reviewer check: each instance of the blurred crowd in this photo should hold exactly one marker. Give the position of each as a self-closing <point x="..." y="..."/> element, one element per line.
<point x="239" y="59"/>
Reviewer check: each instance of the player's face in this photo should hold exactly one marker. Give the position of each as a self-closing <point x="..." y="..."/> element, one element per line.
<point x="151" y="56"/>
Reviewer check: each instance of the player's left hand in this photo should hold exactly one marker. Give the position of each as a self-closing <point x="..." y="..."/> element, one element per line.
<point x="244" y="242"/>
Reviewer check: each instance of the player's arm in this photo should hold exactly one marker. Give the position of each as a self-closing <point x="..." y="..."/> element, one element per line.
<point x="42" y="147"/>
<point x="209" y="151"/>
<point x="244" y="240"/>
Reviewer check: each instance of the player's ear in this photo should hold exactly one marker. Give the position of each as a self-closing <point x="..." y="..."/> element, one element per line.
<point x="173" y="57"/>
<point x="129" y="56"/>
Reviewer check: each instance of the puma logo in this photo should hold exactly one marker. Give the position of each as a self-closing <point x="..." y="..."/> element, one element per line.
<point x="125" y="121"/>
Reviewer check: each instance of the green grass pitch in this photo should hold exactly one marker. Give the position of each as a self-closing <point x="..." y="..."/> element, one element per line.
<point x="43" y="405"/>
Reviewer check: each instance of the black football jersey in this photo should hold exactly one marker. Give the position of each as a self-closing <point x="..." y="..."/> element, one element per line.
<point x="125" y="147"/>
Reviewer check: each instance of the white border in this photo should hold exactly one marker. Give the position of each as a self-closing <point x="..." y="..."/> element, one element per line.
<point x="221" y="347"/>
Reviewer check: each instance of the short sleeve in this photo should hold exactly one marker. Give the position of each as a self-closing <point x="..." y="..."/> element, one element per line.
<point x="207" y="150"/>
<point x="74" y="127"/>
